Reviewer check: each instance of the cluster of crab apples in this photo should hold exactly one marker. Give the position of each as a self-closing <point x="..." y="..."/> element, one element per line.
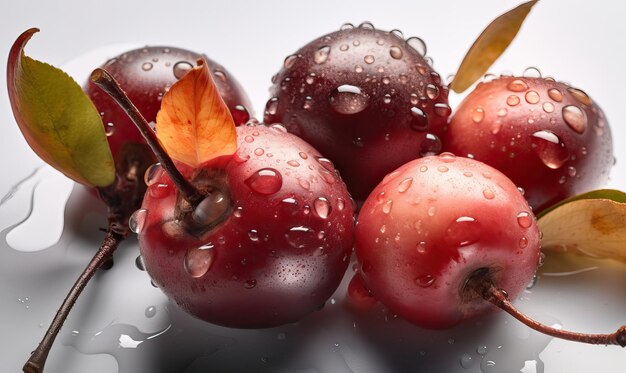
<point x="358" y="117"/>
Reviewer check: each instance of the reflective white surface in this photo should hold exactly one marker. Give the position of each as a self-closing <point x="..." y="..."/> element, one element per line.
<point x="123" y="323"/>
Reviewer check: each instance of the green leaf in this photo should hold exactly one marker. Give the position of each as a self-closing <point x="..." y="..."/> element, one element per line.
<point x="593" y="223"/>
<point x="489" y="45"/>
<point x="57" y="119"/>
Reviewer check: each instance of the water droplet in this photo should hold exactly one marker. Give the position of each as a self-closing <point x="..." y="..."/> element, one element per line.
<point x="346" y="26"/>
<point x="571" y="171"/>
<point x="502" y="112"/>
<point x="425" y="281"/>
<point x="348" y="99"/>
<point x="199" y="260"/>
<point x="137" y="220"/>
<point x="358" y="68"/>
<point x="405" y="184"/>
<point x="466" y="361"/>
<point x="211" y="208"/>
<point x="322" y="207"/>
<point x="259" y="152"/>
<point x="367" y="25"/>
<point x="419" y="120"/>
<point x="271" y="106"/>
<point x="249" y="284"/>
<point x="517" y="85"/>
<point x="489" y="194"/>
<point x="181" y="68"/>
<point x="580" y="95"/>
<point x="524" y="219"/>
<point x="463" y="231"/>
<point x="532" y="97"/>
<point x="442" y="169"/>
<point x="383" y="228"/>
<point x="150" y="312"/>
<point x="512" y="100"/>
<point x="369" y="59"/>
<point x="265" y="181"/>
<point x="417" y="44"/>
<point x="139" y="263"/>
<point x="304" y="183"/>
<point x="395" y="52"/>
<point x="548" y="107"/>
<point x="482" y="350"/>
<point x="575" y="118"/>
<point x="344" y="47"/>
<point x="387" y="206"/>
<point x="432" y="91"/>
<point x="478" y="114"/>
<point x="549" y="148"/>
<point x="321" y="55"/>
<point x="430" y="145"/>
<point x="432" y="210"/>
<point x="289" y="61"/>
<point x="293" y="163"/>
<point x="146" y="66"/>
<point x="253" y="235"/>
<point x="555" y="94"/>
<point x="301" y="237"/>
<point x="152" y="174"/>
<point x="303" y="155"/>
<point x="523" y="242"/>
<point x="442" y="109"/>
<point x="531" y="72"/>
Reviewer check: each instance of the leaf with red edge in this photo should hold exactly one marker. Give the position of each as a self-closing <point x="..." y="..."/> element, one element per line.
<point x="57" y="119"/>
<point x="194" y="124"/>
<point x="489" y="45"/>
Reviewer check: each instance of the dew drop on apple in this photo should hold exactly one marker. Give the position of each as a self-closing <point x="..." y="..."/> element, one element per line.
<point x="524" y="219"/>
<point x="549" y="148"/>
<point x="211" y="208"/>
<point x="523" y="242"/>
<point x="322" y="207"/>
<point x="532" y="97"/>
<point x="555" y="94"/>
<point x="150" y="312"/>
<point x="265" y="181"/>
<point x="139" y="263"/>
<point x="466" y="361"/>
<point x="199" y="260"/>
<point x="517" y="85"/>
<point x="346" y="26"/>
<point x="289" y="61"/>
<point x="300" y="236"/>
<point x="321" y="55"/>
<point x="146" y="66"/>
<point x="488" y="194"/>
<point x="253" y="235"/>
<point x="395" y="52"/>
<point x="432" y="91"/>
<point x="425" y="281"/>
<point x="137" y="220"/>
<point x="419" y="120"/>
<point x="442" y="109"/>
<point x="271" y="106"/>
<point x="181" y="68"/>
<point x="348" y="99"/>
<point x="464" y="231"/>
<point x="249" y="284"/>
<point x="575" y="118"/>
<point x="531" y="72"/>
<point x="512" y="100"/>
<point x="548" y="107"/>
<point x="387" y="206"/>
<point x="580" y="96"/>
<point x="405" y="184"/>
<point x="417" y="44"/>
<point x="109" y="129"/>
<point x="430" y="145"/>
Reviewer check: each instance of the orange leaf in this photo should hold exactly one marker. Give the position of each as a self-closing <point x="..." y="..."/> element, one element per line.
<point x="491" y="43"/>
<point x="194" y="124"/>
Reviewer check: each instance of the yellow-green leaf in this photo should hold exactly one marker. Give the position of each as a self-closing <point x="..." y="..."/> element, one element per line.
<point x="593" y="223"/>
<point x="491" y="43"/>
<point x="57" y="119"/>
<point x="194" y="124"/>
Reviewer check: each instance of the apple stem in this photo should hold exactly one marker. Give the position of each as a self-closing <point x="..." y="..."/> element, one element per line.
<point x="107" y="83"/>
<point x="37" y="360"/>
<point x="485" y="288"/>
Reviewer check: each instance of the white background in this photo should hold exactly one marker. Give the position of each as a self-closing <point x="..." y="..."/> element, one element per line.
<point x="577" y="41"/>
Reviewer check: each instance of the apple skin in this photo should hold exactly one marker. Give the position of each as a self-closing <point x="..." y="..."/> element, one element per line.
<point x="497" y="124"/>
<point x="416" y="243"/>
<point x="145" y="74"/>
<point x="398" y="115"/>
<point x="277" y="256"/>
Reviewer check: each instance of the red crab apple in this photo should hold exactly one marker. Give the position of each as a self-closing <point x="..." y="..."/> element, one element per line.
<point x="282" y="243"/>
<point x="443" y="239"/>
<point x="434" y="223"/>
<point x="365" y="98"/>
<point x="146" y="74"/>
<point x="551" y="139"/>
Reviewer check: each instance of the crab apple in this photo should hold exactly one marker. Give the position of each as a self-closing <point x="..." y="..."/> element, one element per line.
<point x="551" y="139"/>
<point x="269" y="243"/>
<point x="146" y="74"/>
<point x="433" y="225"/>
<point x="365" y="98"/>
